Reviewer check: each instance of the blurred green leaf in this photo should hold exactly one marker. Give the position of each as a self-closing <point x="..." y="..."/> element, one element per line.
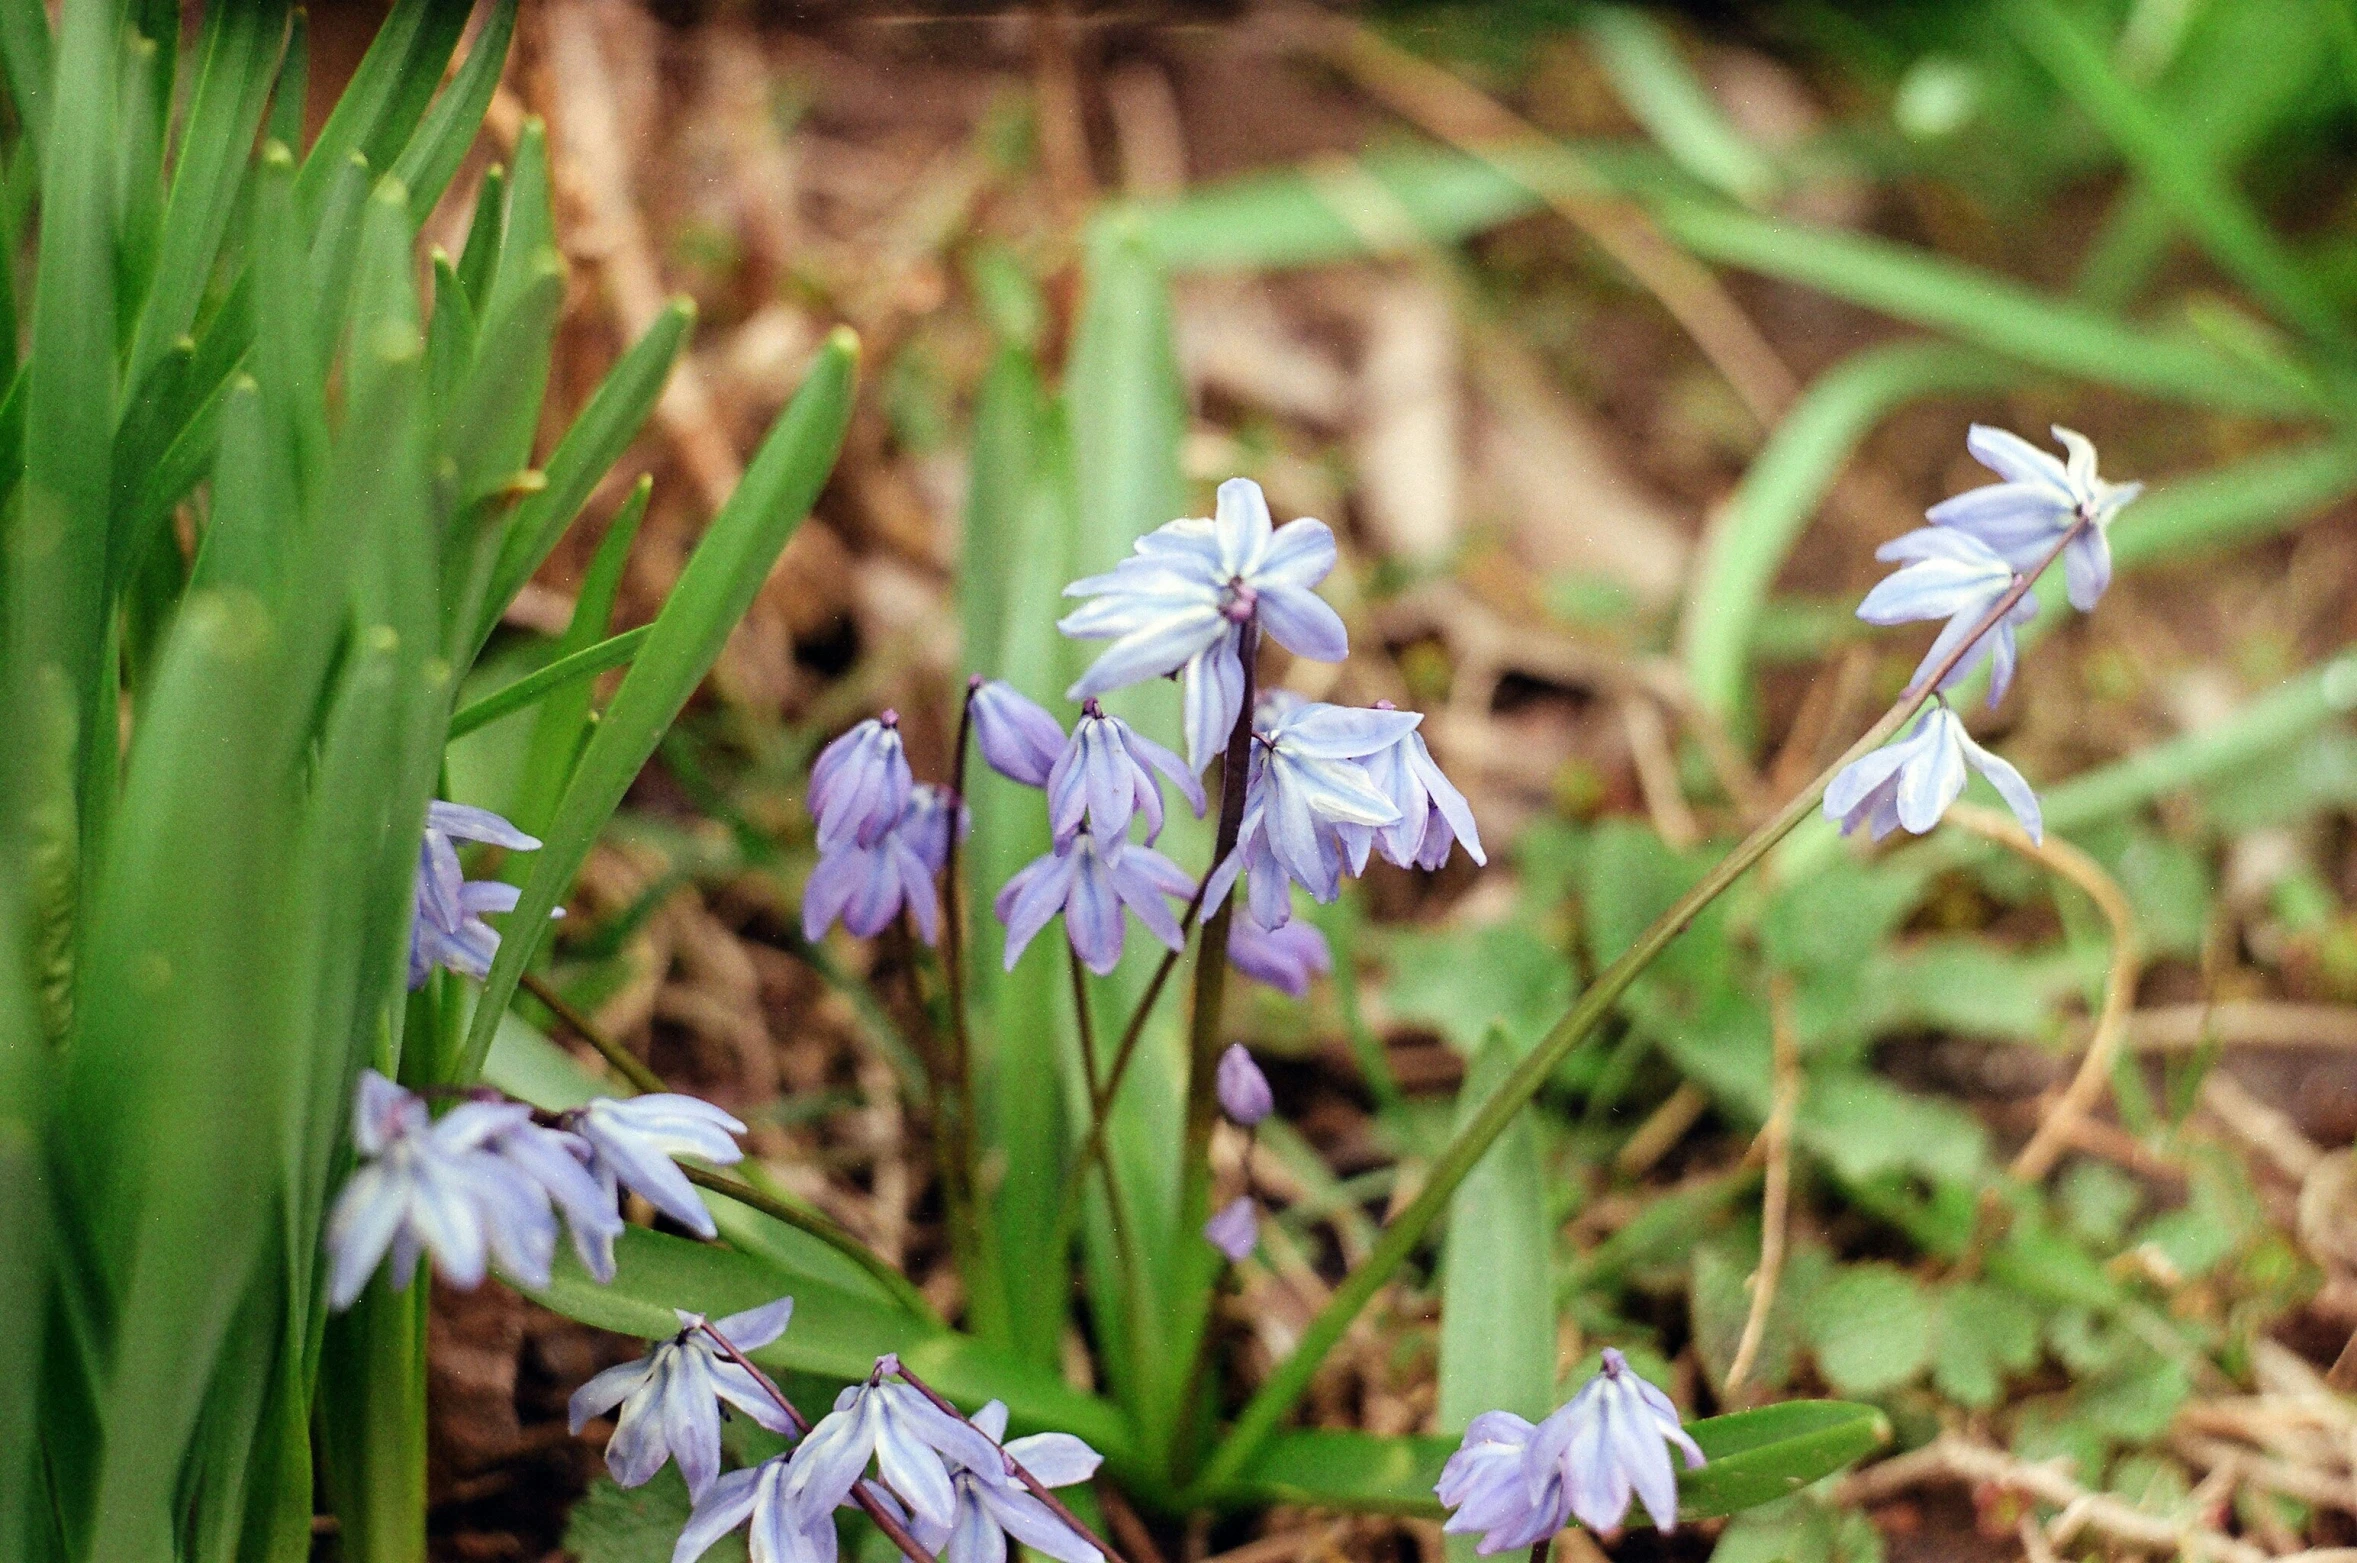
<point x="1983" y="1332"/>
<point x="1862" y="1125"/>
<point x="1464" y="983"/>
<point x="1653" y="79"/>
<point x="1799" y="1529"/>
<point x="613" y="1524"/>
<point x="1871" y="1328"/>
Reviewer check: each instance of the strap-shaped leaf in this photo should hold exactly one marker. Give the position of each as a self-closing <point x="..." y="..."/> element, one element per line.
<point x="713" y="592"/>
<point x="380" y="106"/>
<point x="440" y="145"/>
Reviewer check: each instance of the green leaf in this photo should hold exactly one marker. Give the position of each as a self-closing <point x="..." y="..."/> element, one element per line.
<point x="563" y="724"/>
<point x="1983" y="1332"/>
<point x="1871" y="1328"/>
<point x="1862" y="1126"/>
<point x="612" y="1524"/>
<point x="1466" y="983"/>
<point x="1675" y="107"/>
<point x="380" y="106"/>
<point x="433" y="154"/>
<point x="1799" y="1529"/>
<point x="565" y="671"/>
<point x="1753" y="1457"/>
<point x="1719" y="1299"/>
<point x="719" y="583"/>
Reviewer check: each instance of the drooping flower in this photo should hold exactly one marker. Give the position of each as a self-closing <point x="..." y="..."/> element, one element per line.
<point x="1243" y="1090"/>
<point x="781" y="1531"/>
<point x="1951" y="574"/>
<point x="633" y="1140"/>
<point x="1106" y="774"/>
<point x="1486" y="1485"/>
<point x="1912" y="782"/>
<point x="993" y="1505"/>
<point x="1433" y="814"/>
<point x="447" y="927"/>
<point x="670" y="1398"/>
<point x="1017" y="737"/>
<point x="1610" y="1440"/>
<point x="1234" y="1228"/>
<point x="1090" y="881"/>
<point x="1283" y="958"/>
<point x="859" y="785"/>
<point x="428" y="1185"/>
<point x="1310" y="808"/>
<point x="914" y="1443"/>
<point x="1181" y="601"/>
<point x="560" y="1163"/>
<point x="2023" y="517"/>
<point x="869" y="885"/>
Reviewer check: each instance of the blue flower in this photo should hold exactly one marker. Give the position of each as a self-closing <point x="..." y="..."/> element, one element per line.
<point x="670" y="1398"/>
<point x="1912" y="782"/>
<point x="1234" y="1229"/>
<point x="914" y="1443"/>
<point x="1090" y="881"/>
<point x="1953" y="575"/>
<point x="859" y="786"/>
<point x="434" y="1186"/>
<point x="1283" y="958"/>
<point x="781" y="1530"/>
<point x="993" y="1505"/>
<point x="1433" y="814"/>
<point x="1310" y="810"/>
<point x="633" y="1141"/>
<point x="447" y="927"/>
<point x="1180" y="602"/>
<point x="869" y="885"/>
<point x="2023" y="517"/>
<point x="1018" y="738"/>
<point x="1243" y="1090"/>
<point x="1520" y="1484"/>
<point x="560" y="1164"/>
<point x="1106" y="775"/>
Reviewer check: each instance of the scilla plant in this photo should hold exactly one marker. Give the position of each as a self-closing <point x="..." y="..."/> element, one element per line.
<point x="266" y="498"/>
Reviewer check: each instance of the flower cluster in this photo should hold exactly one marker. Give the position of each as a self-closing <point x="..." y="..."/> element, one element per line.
<point x="1961" y="568"/>
<point x="1518" y="1484"/>
<point x="485" y="1183"/>
<point x="447" y="928"/>
<point x="881" y="837"/>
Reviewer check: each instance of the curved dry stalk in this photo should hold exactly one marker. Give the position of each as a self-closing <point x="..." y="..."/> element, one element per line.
<point x="1776" y="1194"/>
<point x="2119" y="984"/>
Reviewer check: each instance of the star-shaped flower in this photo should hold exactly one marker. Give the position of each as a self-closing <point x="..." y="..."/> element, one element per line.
<point x="670" y="1398"/>
<point x="2023" y="517"/>
<point x="1912" y="782"/>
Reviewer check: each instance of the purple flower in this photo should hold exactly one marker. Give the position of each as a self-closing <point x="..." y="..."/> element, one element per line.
<point x="859" y="787"/>
<point x="1018" y="739"/>
<point x="1952" y="575"/>
<point x="1913" y="781"/>
<point x="1090" y="881"/>
<point x="670" y="1398"/>
<point x="1283" y="958"/>
<point x="1611" y="1440"/>
<point x="1234" y="1229"/>
<point x="1181" y="600"/>
<point x="992" y="1505"/>
<point x="1485" y="1484"/>
<point x="427" y="1185"/>
<point x="1106" y="774"/>
<point x="2041" y="498"/>
<point x="868" y="886"/>
<point x="447" y="927"/>
<point x="1310" y="807"/>
<point x="1433" y="814"/>
<point x="783" y="1531"/>
<point x="1243" y="1089"/>
<point x="914" y="1443"/>
<point x="633" y="1141"/>
<point x="560" y="1164"/>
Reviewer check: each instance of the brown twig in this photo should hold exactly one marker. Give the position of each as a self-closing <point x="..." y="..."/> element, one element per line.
<point x="1776" y="1192"/>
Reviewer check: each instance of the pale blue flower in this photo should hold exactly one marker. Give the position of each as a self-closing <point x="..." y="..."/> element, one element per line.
<point x="1311" y="810"/>
<point x="670" y="1398"/>
<point x="561" y="1163"/>
<point x="1017" y="737"/>
<point x="1951" y="574"/>
<point x="869" y="885"/>
<point x="1089" y="881"/>
<point x="1105" y="776"/>
<point x="1610" y="1440"/>
<point x="427" y="1185"/>
<point x="1486" y="1485"/>
<point x="634" y="1140"/>
<point x="859" y="785"/>
<point x="993" y="1504"/>
<point x="1243" y="1090"/>
<point x="1234" y="1229"/>
<point x="446" y="927"/>
<point x="1912" y="782"/>
<point x="780" y="1531"/>
<point x="1433" y="814"/>
<point x="2022" y="518"/>
<point x="1284" y="958"/>
<point x="1180" y="602"/>
<point x="914" y="1443"/>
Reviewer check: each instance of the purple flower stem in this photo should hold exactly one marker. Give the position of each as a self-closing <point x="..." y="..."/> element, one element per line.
<point x="864" y="1493"/>
<point x="1286" y="1383"/>
<point x="1031" y="1483"/>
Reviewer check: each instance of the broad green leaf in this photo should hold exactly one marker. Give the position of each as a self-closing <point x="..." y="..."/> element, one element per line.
<point x="1984" y="1332"/>
<point x="712" y="593"/>
<point x="1799" y="1529"/>
<point x="1465" y="983"/>
<point x="1862" y="1125"/>
<point x="1871" y="1328"/>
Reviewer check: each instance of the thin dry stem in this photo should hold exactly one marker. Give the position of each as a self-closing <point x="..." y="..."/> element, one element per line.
<point x="1776" y="1193"/>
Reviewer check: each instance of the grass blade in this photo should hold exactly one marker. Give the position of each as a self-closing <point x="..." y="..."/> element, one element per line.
<point x="432" y="156"/>
<point x="567" y="670"/>
<point x="1661" y="90"/>
<point x="563" y="723"/>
